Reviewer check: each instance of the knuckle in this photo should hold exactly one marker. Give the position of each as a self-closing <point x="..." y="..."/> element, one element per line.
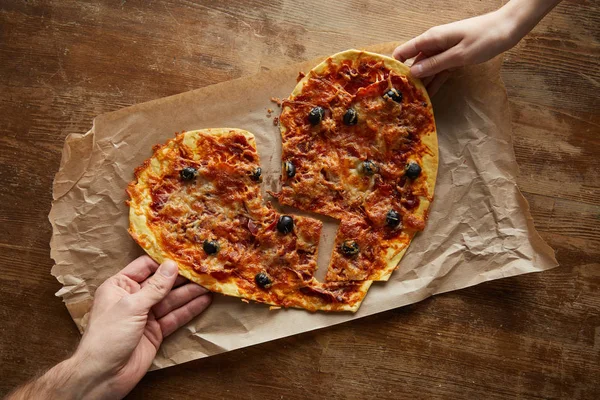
<point x="186" y="315"/>
<point x="160" y="308"/>
<point x="196" y="290"/>
<point x="433" y="34"/>
<point x="157" y="284"/>
<point x="433" y="63"/>
<point x="459" y="55"/>
<point x="206" y="301"/>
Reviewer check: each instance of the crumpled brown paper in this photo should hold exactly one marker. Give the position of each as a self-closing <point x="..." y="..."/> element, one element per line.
<point x="479" y="226"/>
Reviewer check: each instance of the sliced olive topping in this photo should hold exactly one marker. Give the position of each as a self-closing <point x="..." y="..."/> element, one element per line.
<point x="349" y="248"/>
<point x="289" y="168"/>
<point x="263" y="280"/>
<point x="392" y="218"/>
<point x="315" y="116"/>
<point x="256" y="174"/>
<point x="210" y="246"/>
<point x="285" y="224"/>
<point x="188" y="173"/>
<point x="413" y="170"/>
<point x="350" y="118"/>
<point x="368" y="167"/>
<point x="394" y="95"/>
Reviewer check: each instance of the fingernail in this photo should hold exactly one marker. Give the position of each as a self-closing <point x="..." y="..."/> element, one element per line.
<point x="416" y="70"/>
<point x="168" y="268"/>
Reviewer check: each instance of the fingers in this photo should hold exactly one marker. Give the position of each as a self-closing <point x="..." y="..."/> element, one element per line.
<point x="436" y="83"/>
<point x="406" y="50"/>
<point x="431" y="42"/>
<point x="140" y="268"/>
<point x="177" y="298"/>
<point x="155" y="288"/>
<point x="435" y="64"/>
<point x="182" y="315"/>
<point x="426" y="81"/>
<point x="418" y="58"/>
<point x="180" y="281"/>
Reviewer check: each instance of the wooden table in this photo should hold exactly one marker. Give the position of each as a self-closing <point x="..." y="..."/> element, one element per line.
<point x="533" y="336"/>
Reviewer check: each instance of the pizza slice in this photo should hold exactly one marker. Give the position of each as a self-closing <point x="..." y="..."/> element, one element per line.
<point x="359" y="144"/>
<point x="197" y="201"/>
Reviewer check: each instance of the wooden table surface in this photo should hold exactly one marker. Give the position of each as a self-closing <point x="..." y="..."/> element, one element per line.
<point x="532" y="336"/>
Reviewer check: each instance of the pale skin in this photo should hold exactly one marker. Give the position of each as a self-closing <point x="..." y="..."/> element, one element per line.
<point x="137" y="308"/>
<point x="444" y="48"/>
<point x="133" y="312"/>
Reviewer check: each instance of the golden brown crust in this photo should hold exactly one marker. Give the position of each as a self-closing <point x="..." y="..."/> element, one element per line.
<point x="171" y="218"/>
<point x="328" y="156"/>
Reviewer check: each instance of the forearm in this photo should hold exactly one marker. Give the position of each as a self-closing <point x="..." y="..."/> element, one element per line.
<point x="71" y="379"/>
<point x="526" y="14"/>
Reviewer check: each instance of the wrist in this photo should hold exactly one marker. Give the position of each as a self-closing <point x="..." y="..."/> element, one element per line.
<point x="74" y="378"/>
<point x="90" y="373"/>
<point x="68" y="380"/>
<point x="512" y="20"/>
<point x="524" y="15"/>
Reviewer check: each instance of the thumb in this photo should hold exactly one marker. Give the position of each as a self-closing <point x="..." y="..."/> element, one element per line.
<point x="157" y="286"/>
<point x="435" y="64"/>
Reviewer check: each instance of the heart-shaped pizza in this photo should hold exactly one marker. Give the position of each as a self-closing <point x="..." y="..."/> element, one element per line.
<point x="359" y="145"/>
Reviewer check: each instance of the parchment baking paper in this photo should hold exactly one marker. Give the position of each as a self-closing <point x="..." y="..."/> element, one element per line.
<point x="479" y="226"/>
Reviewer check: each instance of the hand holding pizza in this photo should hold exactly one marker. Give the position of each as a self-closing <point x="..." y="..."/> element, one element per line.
<point x="471" y="41"/>
<point x="133" y="312"/>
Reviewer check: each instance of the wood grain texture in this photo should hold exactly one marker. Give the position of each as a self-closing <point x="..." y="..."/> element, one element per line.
<point x="532" y="336"/>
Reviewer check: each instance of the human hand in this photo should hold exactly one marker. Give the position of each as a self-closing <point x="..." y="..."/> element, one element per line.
<point x="132" y="313"/>
<point x="443" y="48"/>
<point x="471" y="41"/>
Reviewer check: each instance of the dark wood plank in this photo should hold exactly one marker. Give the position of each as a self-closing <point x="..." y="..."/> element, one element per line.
<point x="533" y="336"/>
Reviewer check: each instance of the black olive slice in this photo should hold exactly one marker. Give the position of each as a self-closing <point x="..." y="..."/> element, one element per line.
<point x="290" y="169"/>
<point x="368" y="167"/>
<point x="349" y="248"/>
<point x="350" y="117"/>
<point x="210" y="246"/>
<point x="188" y="173"/>
<point x="392" y="218"/>
<point x="263" y="280"/>
<point x="256" y="174"/>
<point x="315" y="116"/>
<point x="394" y="95"/>
<point x="285" y="224"/>
<point x="412" y="170"/>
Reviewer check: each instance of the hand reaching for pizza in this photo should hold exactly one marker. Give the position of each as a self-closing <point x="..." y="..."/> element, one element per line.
<point x="132" y="312"/>
<point x="472" y="41"/>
